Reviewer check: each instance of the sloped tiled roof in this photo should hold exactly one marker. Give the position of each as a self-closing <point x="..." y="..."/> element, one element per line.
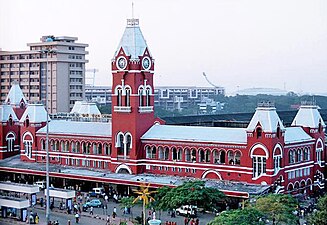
<point x="296" y="134"/>
<point x="15" y="95"/>
<point x="5" y="112"/>
<point x="196" y="134"/>
<point x="132" y="41"/>
<point x="68" y="127"/>
<point x="308" y="116"/>
<point x="85" y="108"/>
<point x="268" y="119"/>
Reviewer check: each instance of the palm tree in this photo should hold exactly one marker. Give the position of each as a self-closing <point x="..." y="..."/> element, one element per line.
<point x="144" y="195"/>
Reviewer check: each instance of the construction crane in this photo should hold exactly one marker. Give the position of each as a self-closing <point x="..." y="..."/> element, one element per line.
<point x="93" y="70"/>
<point x="205" y="76"/>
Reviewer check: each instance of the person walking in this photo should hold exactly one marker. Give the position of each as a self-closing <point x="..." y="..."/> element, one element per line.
<point x="77" y="217"/>
<point x="91" y="210"/>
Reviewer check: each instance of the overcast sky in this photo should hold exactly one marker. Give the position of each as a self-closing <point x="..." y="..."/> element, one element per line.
<point x="238" y="43"/>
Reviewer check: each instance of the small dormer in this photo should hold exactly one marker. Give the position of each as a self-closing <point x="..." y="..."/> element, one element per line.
<point x="265" y="120"/>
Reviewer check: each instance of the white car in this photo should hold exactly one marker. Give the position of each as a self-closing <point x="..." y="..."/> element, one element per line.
<point x="187" y="210"/>
<point x="41" y="184"/>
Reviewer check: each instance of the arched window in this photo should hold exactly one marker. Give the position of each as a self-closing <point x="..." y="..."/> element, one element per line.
<point x="201" y="155"/>
<point x="10" y="122"/>
<point x="193" y="155"/>
<point x="27" y="122"/>
<point x="107" y="149"/>
<point x="291" y="156"/>
<point x="207" y="156"/>
<point x="62" y="146"/>
<point x="42" y="144"/>
<point x="319" y="150"/>
<point x="259" y="155"/>
<point x="94" y="149"/>
<point x="299" y="155"/>
<point x="277" y="156"/>
<point x="174" y="153"/>
<point x="78" y="147"/>
<point x="161" y="153"/>
<point x="306" y="154"/>
<point x="237" y="158"/>
<point x="230" y="156"/>
<point x="278" y="131"/>
<point x="215" y="156"/>
<point x="73" y="147"/>
<point x="140" y="93"/>
<point x="179" y="154"/>
<point x="154" y="152"/>
<point x="10" y="142"/>
<point x="166" y="153"/>
<point x="128" y="141"/>
<point x="100" y="149"/>
<point x="147" y="96"/>
<point x="259" y="132"/>
<point x="127" y="97"/>
<point x="187" y="155"/>
<point x="222" y="157"/>
<point x="28" y="141"/>
<point x="119" y="96"/>
<point x="83" y="147"/>
<point x="148" y="151"/>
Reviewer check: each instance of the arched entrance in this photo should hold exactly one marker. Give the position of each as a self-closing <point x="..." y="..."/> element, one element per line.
<point x="124" y="169"/>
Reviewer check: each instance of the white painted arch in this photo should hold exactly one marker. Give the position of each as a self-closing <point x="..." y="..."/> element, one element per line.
<point x="123" y="166"/>
<point x="211" y="171"/>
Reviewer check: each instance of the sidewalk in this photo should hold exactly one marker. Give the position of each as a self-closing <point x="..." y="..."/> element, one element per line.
<point x="117" y="220"/>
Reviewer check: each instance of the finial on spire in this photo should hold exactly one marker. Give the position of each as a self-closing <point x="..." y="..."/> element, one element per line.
<point x="132" y="10"/>
<point x="132" y="22"/>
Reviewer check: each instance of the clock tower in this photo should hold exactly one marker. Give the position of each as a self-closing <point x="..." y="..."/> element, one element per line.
<point x="132" y="99"/>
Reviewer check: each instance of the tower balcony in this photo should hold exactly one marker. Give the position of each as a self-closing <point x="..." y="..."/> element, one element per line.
<point x="145" y="109"/>
<point x="125" y="109"/>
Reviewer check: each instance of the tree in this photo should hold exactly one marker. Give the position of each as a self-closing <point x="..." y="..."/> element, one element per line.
<point x="144" y="195"/>
<point x="189" y="193"/>
<point x="319" y="217"/>
<point x="248" y="216"/>
<point x="278" y="208"/>
<point x="128" y="203"/>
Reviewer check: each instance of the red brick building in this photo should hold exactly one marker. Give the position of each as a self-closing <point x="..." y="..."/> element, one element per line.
<point x="289" y="159"/>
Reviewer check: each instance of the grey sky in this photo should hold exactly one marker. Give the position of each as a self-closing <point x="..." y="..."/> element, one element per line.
<point x="245" y="43"/>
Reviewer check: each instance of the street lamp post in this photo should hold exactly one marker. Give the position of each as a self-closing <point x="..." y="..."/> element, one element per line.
<point x="47" y="51"/>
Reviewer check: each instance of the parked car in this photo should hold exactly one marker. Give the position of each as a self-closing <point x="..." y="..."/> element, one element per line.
<point x="97" y="192"/>
<point x="187" y="210"/>
<point x="94" y="203"/>
<point x="41" y="184"/>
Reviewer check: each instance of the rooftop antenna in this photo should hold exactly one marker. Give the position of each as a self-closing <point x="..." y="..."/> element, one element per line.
<point x="132" y="10"/>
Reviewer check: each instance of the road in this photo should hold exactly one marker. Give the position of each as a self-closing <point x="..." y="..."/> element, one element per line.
<point x="87" y="219"/>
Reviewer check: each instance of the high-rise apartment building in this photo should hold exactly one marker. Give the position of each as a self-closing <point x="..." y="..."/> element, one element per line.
<point x="66" y="72"/>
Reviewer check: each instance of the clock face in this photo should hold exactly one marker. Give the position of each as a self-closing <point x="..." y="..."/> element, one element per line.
<point x="121" y="63"/>
<point x="146" y="63"/>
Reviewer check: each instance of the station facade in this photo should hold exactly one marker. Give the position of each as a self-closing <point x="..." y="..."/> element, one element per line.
<point x="289" y="159"/>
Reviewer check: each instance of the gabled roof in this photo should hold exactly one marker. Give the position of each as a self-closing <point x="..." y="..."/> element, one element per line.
<point x="308" y="116"/>
<point x="36" y="113"/>
<point x="82" y="107"/>
<point x="15" y="95"/>
<point x="68" y="127"/>
<point x="267" y="117"/>
<point x="296" y="134"/>
<point x="132" y="41"/>
<point x="5" y="112"/>
<point x="195" y="133"/>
